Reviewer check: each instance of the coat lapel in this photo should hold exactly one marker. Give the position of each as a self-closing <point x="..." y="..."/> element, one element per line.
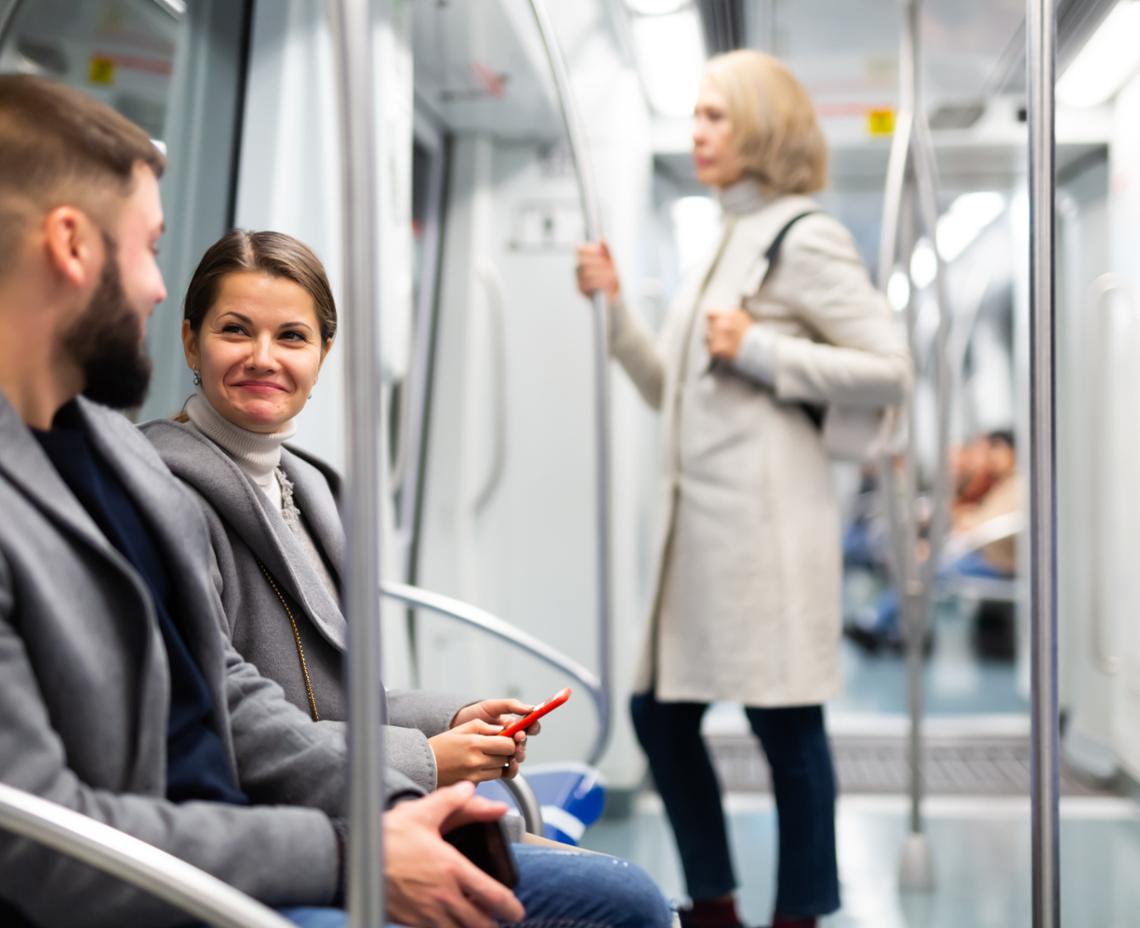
<point x="318" y="501"/>
<point x="24" y="462"/>
<point x="745" y="262"/>
<point x="202" y="464"/>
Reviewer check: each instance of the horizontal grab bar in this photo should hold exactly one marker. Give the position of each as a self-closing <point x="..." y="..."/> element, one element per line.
<point x="126" y="857"/>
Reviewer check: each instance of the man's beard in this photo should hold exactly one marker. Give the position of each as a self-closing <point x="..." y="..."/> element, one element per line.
<point x="105" y="342"/>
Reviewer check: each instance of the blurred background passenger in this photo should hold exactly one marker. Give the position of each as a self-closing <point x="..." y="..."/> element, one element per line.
<point x="746" y="600"/>
<point x="1003" y="496"/>
<point x="982" y="543"/>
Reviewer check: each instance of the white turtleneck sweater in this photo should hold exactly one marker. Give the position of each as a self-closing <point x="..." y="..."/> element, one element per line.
<point x="744" y="196"/>
<point x="258" y="455"/>
<point x="756" y="355"/>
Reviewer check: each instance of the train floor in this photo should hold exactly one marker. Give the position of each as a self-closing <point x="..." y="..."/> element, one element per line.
<point x="977" y="819"/>
<point x="980" y="850"/>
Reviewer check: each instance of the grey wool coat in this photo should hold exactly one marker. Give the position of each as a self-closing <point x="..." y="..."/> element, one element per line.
<point x="85" y="695"/>
<point x="245" y="528"/>
<point x="746" y="598"/>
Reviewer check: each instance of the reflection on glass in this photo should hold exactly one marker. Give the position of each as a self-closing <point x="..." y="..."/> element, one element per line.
<point x="119" y="51"/>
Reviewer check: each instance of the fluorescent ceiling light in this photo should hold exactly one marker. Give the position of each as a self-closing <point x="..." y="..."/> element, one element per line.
<point x="923" y="264"/>
<point x="670" y="53"/>
<point x="1109" y="58"/>
<point x="655" y="7"/>
<point x="176" y="8"/>
<point x="898" y="291"/>
<point x="964" y="221"/>
<point x="696" y="222"/>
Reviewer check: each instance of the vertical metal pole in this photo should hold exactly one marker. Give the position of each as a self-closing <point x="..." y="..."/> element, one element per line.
<point x="911" y="188"/>
<point x="1041" y="38"/>
<point x="592" y="213"/>
<point x="352" y="39"/>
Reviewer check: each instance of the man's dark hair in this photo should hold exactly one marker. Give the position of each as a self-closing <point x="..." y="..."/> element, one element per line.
<point x="61" y="146"/>
<point x="1002" y="437"/>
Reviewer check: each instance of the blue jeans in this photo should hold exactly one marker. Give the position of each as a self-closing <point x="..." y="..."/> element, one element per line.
<point x="803" y="780"/>
<point x="565" y="889"/>
<point x="885" y="619"/>
<point x="316" y="918"/>
<point x="561" y="889"/>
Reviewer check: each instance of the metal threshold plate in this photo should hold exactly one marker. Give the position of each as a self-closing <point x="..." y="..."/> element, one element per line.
<point x="980" y="765"/>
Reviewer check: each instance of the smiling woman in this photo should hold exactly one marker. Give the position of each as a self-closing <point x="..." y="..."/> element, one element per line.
<point x="258" y="323"/>
<point x="258" y="351"/>
<point x="259" y="319"/>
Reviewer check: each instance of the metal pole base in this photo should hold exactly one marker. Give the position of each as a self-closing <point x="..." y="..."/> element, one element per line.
<point x="916" y="868"/>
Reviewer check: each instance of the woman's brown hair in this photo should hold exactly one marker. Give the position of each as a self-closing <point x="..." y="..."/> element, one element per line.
<point x="272" y="253"/>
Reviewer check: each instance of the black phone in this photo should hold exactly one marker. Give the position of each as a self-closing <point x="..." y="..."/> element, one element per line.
<point x="485" y="844"/>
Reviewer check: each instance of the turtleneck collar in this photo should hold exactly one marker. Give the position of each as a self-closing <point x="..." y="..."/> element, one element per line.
<point x="744" y="196"/>
<point x="255" y="453"/>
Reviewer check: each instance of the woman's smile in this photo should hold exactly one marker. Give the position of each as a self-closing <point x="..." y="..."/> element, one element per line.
<point x="261" y="387"/>
<point x="258" y="352"/>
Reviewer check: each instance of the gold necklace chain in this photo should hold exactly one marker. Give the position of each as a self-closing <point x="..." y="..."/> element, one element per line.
<point x="312" y="697"/>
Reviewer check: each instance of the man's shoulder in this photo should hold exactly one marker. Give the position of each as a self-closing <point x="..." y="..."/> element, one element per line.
<point x="125" y="434"/>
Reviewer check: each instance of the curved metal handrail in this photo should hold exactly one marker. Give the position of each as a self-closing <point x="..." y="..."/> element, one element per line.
<point x="499" y="628"/>
<point x="124" y="856"/>
<point x="527" y="802"/>
<point x="592" y="214"/>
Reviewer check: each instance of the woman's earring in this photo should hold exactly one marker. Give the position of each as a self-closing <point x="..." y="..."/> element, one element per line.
<point x="197" y="377"/>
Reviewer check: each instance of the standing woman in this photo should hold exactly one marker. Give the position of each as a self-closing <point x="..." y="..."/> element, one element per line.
<point x="746" y="596"/>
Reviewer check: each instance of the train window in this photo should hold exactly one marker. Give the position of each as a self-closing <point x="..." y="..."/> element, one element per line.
<point x="120" y="51"/>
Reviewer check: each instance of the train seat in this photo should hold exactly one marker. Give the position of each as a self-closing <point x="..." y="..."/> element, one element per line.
<point x="572" y="797"/>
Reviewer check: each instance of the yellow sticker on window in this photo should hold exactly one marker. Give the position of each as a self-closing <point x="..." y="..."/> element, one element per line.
<point x="881" y="122"/>
<point x="101" y="70"/>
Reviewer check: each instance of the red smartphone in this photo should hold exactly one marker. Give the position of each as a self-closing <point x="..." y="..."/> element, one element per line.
<point x="536" y="713"/>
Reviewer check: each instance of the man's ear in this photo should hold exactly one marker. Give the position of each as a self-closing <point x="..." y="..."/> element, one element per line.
<point x="73" y="245"/>
<point x="190" y="345"/>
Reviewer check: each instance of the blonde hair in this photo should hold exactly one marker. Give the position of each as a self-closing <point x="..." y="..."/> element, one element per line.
<point x="773" y="121"/>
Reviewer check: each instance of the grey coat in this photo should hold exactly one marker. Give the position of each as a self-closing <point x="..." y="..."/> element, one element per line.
<point x="746" y="594"/>
<point x="85" y="689"/>
<point x="246" y="528"/>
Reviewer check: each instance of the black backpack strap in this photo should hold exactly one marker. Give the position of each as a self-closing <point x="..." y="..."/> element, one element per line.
<point x="815" y="413"/>
<point x="773" y="252"/>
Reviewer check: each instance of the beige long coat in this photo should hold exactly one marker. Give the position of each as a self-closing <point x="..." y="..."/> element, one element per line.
<point x="746" y="597"/>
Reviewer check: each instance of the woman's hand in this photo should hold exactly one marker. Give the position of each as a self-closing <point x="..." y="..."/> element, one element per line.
<point x="726" y="328"/>
<point x="501" y="712"/>
<point x="475" y="751"/>
<point x="596" y="271"/>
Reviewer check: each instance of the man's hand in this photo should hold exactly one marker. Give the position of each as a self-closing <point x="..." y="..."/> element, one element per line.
<point x="428" y="881"/>
<point x="501" y="712"/>
<point x="474" y="751"/>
